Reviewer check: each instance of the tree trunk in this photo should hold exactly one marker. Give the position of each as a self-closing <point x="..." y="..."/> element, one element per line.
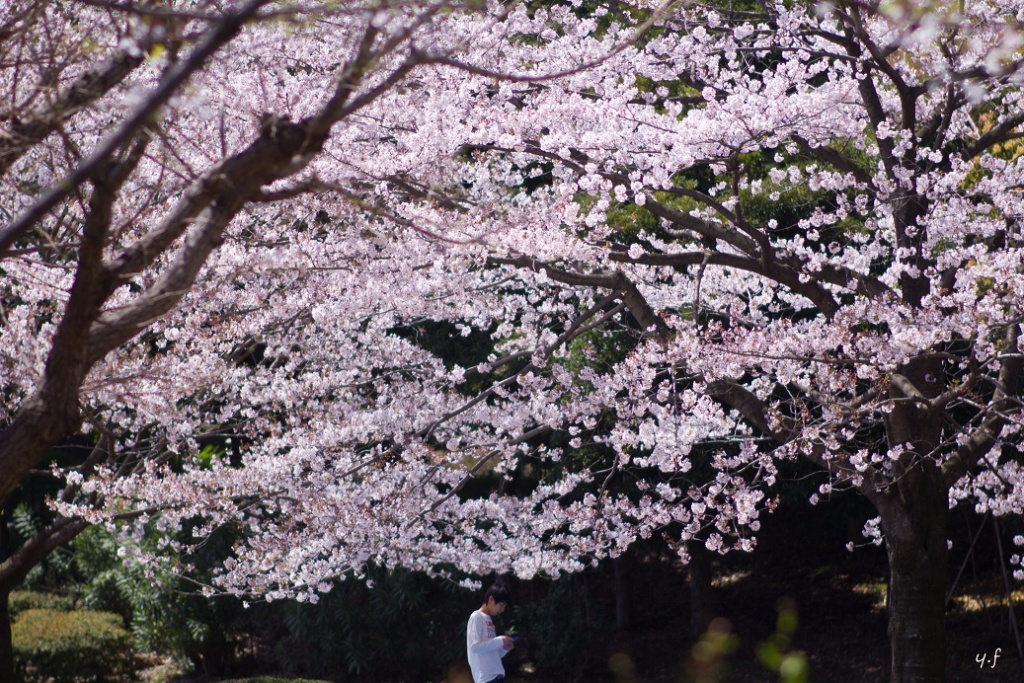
<point x="6" y="646"/>
<point x="914" y="522"/>
<point x="916" y="602"/>
<point x="700" y="589"/>
<point x="913" y="515"/>
<point x="620" y="569"/>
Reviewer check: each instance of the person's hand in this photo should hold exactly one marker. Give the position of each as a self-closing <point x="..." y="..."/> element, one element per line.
<point x="507" y="642"/>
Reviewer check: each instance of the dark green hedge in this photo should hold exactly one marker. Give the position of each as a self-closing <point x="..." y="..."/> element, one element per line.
<point x="72" y="646"/>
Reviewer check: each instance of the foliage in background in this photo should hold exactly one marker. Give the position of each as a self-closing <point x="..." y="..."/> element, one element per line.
<point x="25" y="521"/>
<point x="561" y="625"/>
<point x="710" y="656"/>
<point x="164" y="611"/>
<point x="390" y="625"/>
<point x="776" y="652"/>
<point x="397" y="625"/>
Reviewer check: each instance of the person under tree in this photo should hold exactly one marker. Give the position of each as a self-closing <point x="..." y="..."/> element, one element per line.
<point x="483" y="647"/>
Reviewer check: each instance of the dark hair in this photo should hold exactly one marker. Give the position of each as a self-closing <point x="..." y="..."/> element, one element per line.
<point x="498" y="591"/>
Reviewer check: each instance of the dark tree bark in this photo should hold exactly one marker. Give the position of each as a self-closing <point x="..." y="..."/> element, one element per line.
<point x="700" y="589"/>
<point x="916" y="545"/>
<point x="620" y="568"/>
<point x="6" y="644"/>
<point x="913" y="515"/>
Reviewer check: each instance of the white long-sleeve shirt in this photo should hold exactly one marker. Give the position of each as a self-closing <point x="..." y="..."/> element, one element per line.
<point x="484" y="648"/>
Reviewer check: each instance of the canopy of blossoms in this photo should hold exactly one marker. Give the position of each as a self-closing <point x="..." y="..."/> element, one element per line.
<point x="821" y="243"/>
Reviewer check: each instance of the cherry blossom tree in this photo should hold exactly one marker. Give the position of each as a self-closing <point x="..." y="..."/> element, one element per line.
<point x="799" y="222"/>
<point x="138" y="139"/>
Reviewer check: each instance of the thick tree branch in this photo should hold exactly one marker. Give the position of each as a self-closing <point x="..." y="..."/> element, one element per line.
<point x="30" y="129"/>
<point x="282" y="149"/>
<point x="15" y="568"/>
<point x="986" y="435"/>
<point x="213" y="40"/>
<point x="704" y="228"/>
<point x="614" y="280"/>
<point x="750" y="407"/>
<point x="995" y="135"/>
<point x="690" y="258"/>
<point x="932" y="134"/>
<point x="835" y="159"/>
<point x="52" y="410"/>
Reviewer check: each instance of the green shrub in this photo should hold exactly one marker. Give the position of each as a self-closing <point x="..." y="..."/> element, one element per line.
<point x="560" y="626"/>
<point x="349" y="634"/>
<point x="71" y="646"/>
<point x="21" y="601"/>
